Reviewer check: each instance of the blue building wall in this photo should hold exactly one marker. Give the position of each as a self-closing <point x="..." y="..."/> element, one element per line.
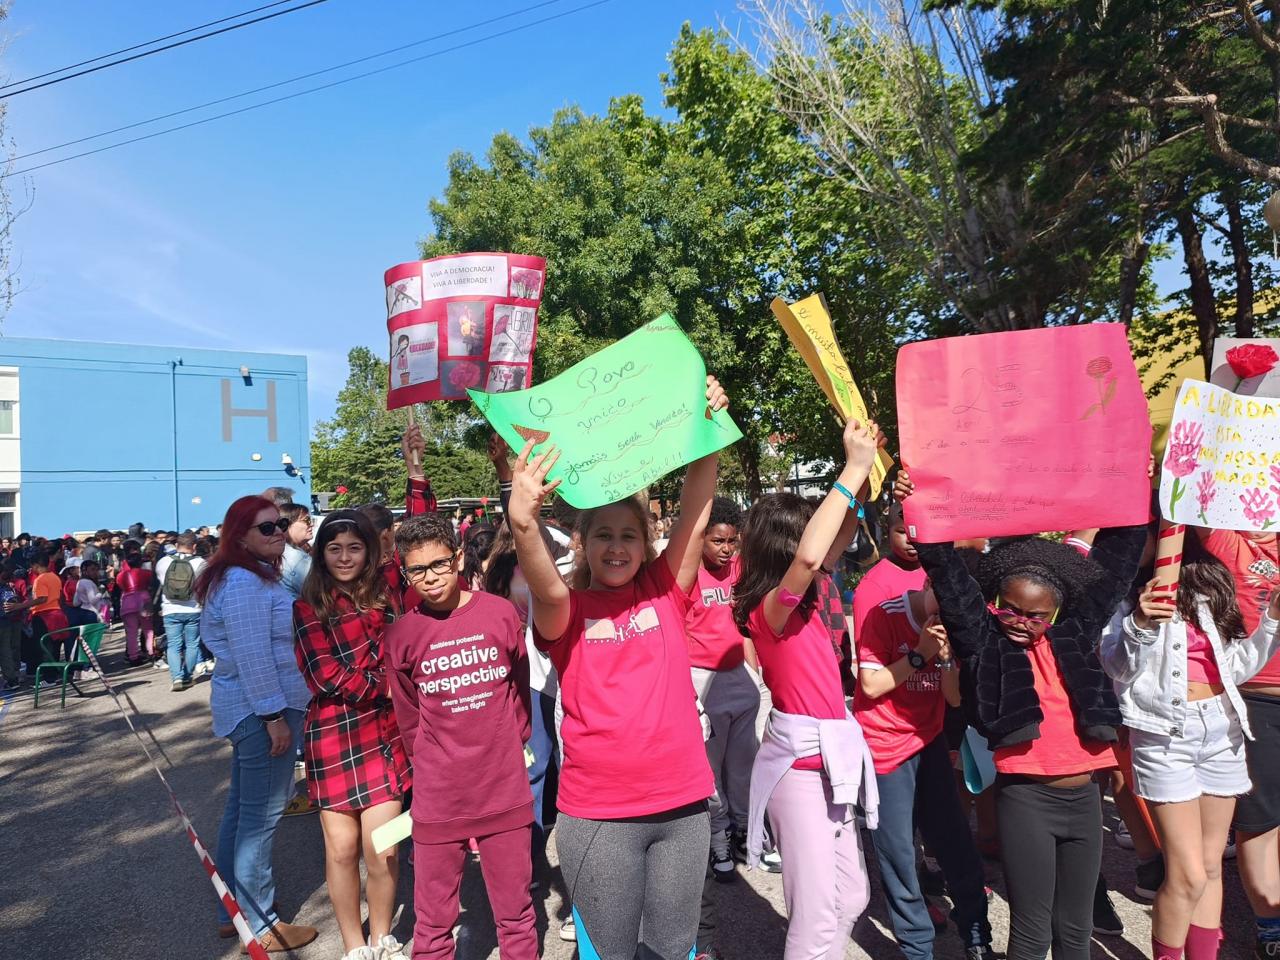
<point x="112" y="434"/>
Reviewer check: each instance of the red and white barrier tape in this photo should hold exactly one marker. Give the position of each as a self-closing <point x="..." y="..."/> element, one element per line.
<point x="251" y="944"/>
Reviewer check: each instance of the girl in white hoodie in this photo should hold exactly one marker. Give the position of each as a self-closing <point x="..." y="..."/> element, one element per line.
<point x="1176" y="667"/>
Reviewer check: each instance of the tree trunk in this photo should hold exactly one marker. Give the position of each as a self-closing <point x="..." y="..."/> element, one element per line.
<point x="748" y="451"/>
<point x="1240" y="257"/>
<point x="1130" y="273"/>
<point x="1203" y="305"/>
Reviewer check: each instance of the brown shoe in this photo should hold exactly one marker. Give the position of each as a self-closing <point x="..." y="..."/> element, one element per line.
<point x="285" y="936"/>
<point x="228" y="930"/>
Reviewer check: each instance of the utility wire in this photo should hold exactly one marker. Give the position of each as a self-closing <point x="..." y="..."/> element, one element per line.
<point x="300" y="93"/>
<point x="285" y="83"/>
<point x="139" y="46"/>
<point x="170" y="46"/>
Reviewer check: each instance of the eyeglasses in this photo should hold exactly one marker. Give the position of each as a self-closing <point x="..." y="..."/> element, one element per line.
<point x="268" y="527"/>
<point x="438" y="568"/>
<point x="1014" y="619"/>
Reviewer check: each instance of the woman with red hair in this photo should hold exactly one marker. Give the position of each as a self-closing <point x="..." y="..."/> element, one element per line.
<point x="257" y="698"/>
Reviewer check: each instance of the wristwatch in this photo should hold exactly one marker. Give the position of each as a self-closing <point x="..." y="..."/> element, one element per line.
<point x="914" y="658"/>
<point x="271" y="717"/>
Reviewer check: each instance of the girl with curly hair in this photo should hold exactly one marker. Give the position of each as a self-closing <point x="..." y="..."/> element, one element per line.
<point x="1177" y="666"/>
<point x="1025" y="635"/>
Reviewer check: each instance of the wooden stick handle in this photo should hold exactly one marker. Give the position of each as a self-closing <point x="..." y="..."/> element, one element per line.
<point x="413" y="422"/>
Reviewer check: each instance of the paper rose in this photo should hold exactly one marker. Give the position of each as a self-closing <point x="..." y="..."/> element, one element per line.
<point x="465" y="375"/>
<point x="339" y="489"/>
<point x="1251" y="360"/>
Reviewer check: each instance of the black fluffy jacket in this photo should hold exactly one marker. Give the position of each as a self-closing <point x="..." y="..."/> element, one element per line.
<point x="997" y="681"/>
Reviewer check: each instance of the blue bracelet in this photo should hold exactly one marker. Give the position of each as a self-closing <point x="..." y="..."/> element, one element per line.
<point x="853" y="501"/>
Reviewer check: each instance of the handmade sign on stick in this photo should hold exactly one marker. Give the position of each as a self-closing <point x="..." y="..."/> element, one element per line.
<point x="460" y="322"/>
<point x="1222" y="465"/>
<point x="1023" y="432"/>
<point x="808" y="324"/>
<point x="622" y="418"/>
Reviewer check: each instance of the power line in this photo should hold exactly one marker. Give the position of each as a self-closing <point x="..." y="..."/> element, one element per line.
<point x="301" y="93"/>
<point x="170" y="46"/>
<point x="285" y="83"/>
<point x="139" y="46"/>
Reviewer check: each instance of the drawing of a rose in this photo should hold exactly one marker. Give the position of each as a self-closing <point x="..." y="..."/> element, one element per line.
<point x="1251" y="360"/>
<point x="1259" y="508"/>
<point x="1206" y="490"/>
<point x="1182" y="457"/>
<point x="1099" y="370"/>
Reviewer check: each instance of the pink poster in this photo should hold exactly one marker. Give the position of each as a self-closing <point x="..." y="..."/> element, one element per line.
<point x="1023" y="432"/>
<point x="464" y="321"/>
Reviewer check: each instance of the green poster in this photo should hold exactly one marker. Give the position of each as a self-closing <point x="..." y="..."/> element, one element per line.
<point x="622" y="418"/>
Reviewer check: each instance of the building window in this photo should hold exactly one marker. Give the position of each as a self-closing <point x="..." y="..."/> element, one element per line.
<point x="6" y="417"/>
<point x="8" y="509"/>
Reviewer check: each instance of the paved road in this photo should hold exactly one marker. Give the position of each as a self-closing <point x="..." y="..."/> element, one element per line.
<point x="93" y="862"/>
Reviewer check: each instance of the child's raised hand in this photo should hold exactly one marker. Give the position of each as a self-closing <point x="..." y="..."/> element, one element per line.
<point x="717" y="399"/>
<point x="903" y="487"/>
<point x="933" y="635"/>
<point x="861" y="442"/>
<point x="1154" y="606"/>
<point x="528" y="483"/>
<point x="414" y="448"/>
<point x="498" y="454"/>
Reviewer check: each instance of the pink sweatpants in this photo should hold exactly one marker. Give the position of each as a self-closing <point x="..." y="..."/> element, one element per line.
<point x="824" y="875"/>
<point x="136" y="617"/>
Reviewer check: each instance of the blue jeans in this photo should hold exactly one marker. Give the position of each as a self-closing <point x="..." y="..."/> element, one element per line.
<point x="922" y="792"/>
<point x="182" y="639"/>
<point x="260" y="788"/>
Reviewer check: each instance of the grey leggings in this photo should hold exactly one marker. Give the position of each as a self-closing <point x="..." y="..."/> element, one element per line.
<point x="636" y="883"/>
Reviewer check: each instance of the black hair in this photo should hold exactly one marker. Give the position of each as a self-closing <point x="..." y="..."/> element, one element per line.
<point x="475" y="550"/>
<point x="770" y="538"/>
<point x="423" y="528"/>
<point x="1060" y="569"/>
<point x="724" y="510"/>
<point x="380" y="514"/>
<point x="369" y="589"/>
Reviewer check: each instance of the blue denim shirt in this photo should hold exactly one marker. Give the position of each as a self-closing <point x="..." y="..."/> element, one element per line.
<point x="247" y="624"/>
<point x="294" y="569"/>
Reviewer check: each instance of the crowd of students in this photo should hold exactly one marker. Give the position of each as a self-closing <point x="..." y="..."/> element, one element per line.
<point x="671" y="712"/>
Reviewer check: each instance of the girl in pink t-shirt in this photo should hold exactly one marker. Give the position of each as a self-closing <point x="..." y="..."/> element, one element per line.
<point x="633" y="832"/>
<point x="786" y="544"/>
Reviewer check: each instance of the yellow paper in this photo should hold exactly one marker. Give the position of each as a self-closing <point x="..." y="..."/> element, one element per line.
<point x="808" y="324"/>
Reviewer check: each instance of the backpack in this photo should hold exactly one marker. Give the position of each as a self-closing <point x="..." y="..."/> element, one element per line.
<point x="179" y="580"/>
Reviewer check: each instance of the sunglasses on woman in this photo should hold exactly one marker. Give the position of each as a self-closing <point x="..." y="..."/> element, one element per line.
<point x="1014" y="619"/>
<point x="268" y="527"/>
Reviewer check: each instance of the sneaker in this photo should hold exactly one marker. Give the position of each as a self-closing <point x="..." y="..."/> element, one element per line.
<point x="363" y="953"/>
<point x="179" y="685"/>
<point x="299" y="805"/>
<point x="568" y="930"/>
<point x="283" y="937"/>
<point x="771" y="862"/>
<point x="1123" y="838"/>
<point x="738" y="845"/>
<point x="1105" y="920"/>
<point x="1147" y="878"/>
<point x="159" y="664"/>
<point x="204" y="668"/>
<point x="722" y="867"/>
<point x="389" y="948"/>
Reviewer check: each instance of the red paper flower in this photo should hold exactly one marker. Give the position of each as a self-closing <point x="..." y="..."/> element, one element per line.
<point x="339" y="489"/>
<point x="1251" y="360"/>
<point x="484" y="501"/>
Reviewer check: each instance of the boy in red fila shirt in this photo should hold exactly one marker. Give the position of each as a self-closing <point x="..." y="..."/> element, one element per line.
<point x="458" y="678"/>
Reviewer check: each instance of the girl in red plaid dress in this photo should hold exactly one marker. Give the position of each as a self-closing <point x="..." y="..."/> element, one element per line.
<point x="357" y="772"/>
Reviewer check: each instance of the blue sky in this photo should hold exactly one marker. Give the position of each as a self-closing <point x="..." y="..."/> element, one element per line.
<point x="271" y="230"/>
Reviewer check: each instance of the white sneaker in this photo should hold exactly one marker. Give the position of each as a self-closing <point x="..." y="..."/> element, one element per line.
<point x="568" y="930"/>
<point x="771" y="862"/>
<point x="362" y="953"/>
<point x="389" y="948"/>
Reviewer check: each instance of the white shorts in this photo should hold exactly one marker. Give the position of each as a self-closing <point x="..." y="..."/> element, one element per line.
<point x="1207" y="759"/>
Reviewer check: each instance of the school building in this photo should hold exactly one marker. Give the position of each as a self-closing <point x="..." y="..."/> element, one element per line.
<point x="107" y="434"/>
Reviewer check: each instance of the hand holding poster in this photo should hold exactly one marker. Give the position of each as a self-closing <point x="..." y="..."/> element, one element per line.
<point x="622" y="418"/>
<point x="1222" y="464"/>
<point x="808" y="324"/>
<point x="1023" y="432"/>
<point x="462" y="321"/>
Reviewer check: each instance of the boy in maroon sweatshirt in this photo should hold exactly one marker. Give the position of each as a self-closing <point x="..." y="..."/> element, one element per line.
<point x="458" y="678"/>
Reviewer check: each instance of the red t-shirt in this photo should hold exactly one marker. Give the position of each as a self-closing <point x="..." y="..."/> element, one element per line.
<point x="1059" y="751"/>
<point x="800" y="669"/>
<point x="1255" y="564"/>
<point x="459" y="683"/>
<point x="885" y="581"/>
<point x="133" y="579"/>
<point x="69" y="591"/>
<point x="632" y="741"/>
<point x="714" y="640"/>
<point x="905" y="720"/>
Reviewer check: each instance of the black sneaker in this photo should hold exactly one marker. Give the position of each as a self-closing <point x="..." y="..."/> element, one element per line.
<point x="722" y="867"/>
<point x="738" y="845"/>
<point x="979" y="953"/>
<point x="1105" y="920"/>
<point x="1147" y="878"/>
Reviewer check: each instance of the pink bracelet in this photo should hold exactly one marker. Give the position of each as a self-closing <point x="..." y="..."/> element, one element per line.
<point x="789" y="599"/>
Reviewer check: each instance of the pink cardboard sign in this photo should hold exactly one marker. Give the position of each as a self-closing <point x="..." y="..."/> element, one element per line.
<point x="464" y="321"/>
<point x="1023" y="432"/>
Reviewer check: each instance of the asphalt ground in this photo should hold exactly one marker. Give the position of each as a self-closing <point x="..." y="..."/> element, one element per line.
<point x="95" y="864"/>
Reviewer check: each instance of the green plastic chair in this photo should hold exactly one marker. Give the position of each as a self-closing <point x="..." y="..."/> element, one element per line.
<point x="90" y="635"/>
